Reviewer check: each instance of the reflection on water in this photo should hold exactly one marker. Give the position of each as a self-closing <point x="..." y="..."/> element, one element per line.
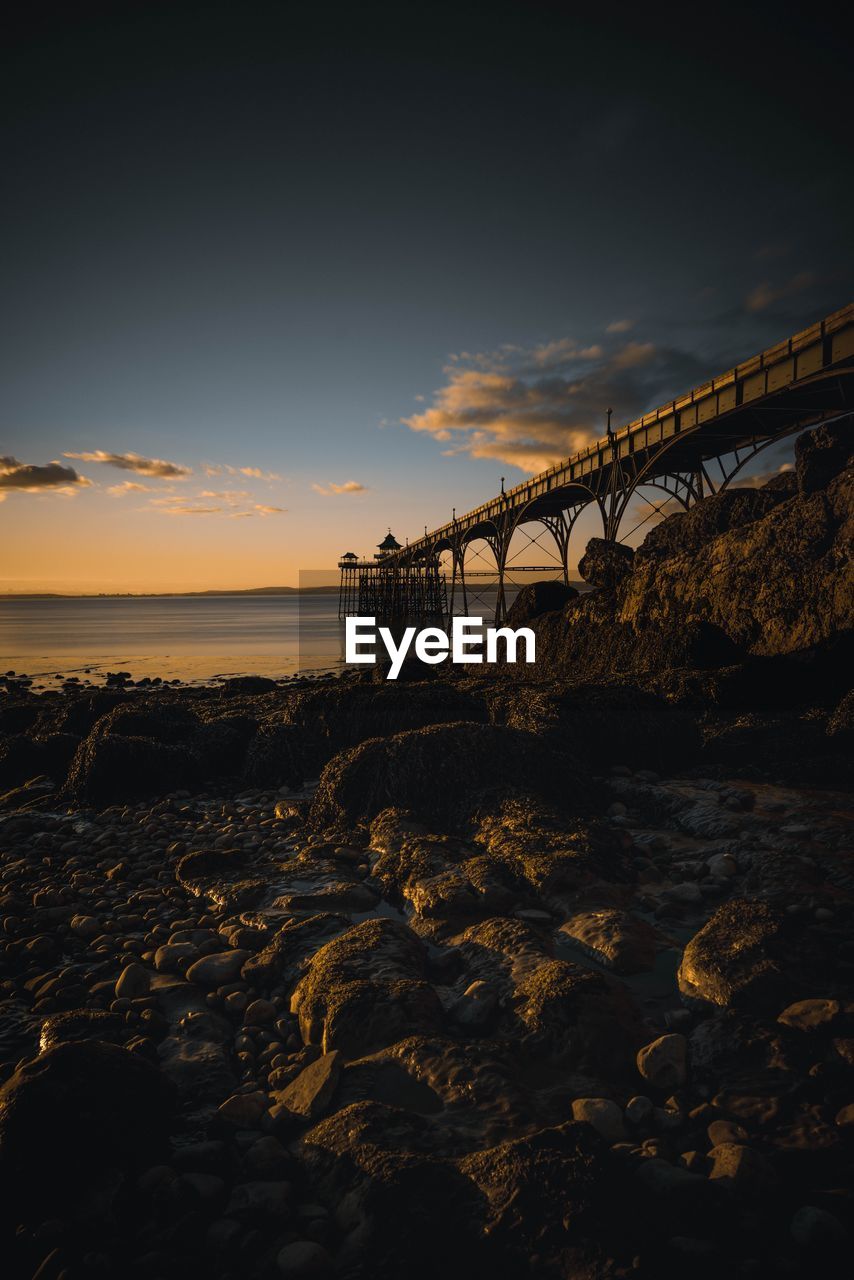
<point x="175" y="637"/>
<point x="191" y="638"/>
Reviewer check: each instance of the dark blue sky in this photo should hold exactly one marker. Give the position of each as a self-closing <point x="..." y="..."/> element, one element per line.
<point x="250" y="236"/>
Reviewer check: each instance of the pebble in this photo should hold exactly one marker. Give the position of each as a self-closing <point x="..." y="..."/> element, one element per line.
<point x="605" y="1117"/>
<point x="663" y="1062"/>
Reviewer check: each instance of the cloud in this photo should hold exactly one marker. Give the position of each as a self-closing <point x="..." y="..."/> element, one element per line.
<point x="233" y="497"/>
<point x="765" y="295"/>
<point x="331" y="489"/>
<point x="269" y="511"/>
<point x="530" y="407"/>
<point x="158" y="467"/>
<point x="620" y="326"/>
<point x="186" y="510"/>
<point x="226" y="469"/>
<point x="129" y="486"/>
<point x="25" y="477"/>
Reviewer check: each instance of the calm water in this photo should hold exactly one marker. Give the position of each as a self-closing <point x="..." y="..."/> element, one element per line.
<point x="190" y="638"/>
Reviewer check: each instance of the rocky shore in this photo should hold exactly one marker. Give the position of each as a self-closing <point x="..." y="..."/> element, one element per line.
<point x="532" y="977"/>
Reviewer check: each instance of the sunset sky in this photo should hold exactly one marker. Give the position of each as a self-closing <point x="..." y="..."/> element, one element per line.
<point x="273" y="282"/>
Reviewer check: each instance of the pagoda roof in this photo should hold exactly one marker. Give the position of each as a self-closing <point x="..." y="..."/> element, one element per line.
<point x="389" y="543"/>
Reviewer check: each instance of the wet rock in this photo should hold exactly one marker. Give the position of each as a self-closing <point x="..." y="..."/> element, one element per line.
<point x="551" y="1008"/>
<point x="289" y="951"/>
<point x="82" y="1024"/>
<point x="736" y="958"/>
<point x="663" y="1062"/>
<point x="366" y="989"/>
<point x="605" y="563"/>
<point x="616" y="939"/>
<point x="443" y="774"/>
<point x="72" y="1114"/>
<point x="309" y="1094"/>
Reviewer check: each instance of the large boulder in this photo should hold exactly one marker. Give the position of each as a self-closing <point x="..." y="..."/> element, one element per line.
<point x="550" y="1195"/>
<point x="366" y="989"/>
<point x="605" y="563"/>
<point x="775" y="583"/>
<point x="110" y="768"/>
<point x="609" y="723"/>
<point x="401" y="1207"/>
<point x="823" y="453"/>
<point x="588" y="640"/>
<point x="444" y="774"/>
<point x="537" y="598"/>
<point x="739" y="958"/>
<point x="685" y="532"/>
<point x="78" y="1115"/>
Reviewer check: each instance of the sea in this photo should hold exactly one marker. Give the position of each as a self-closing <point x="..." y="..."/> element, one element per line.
<point x="194" y="639"/>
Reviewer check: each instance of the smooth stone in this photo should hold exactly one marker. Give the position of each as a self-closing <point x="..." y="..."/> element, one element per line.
<point x="663" y="1062"/>
<point x="604" y="1116"/>
<point x="168" y="957"/>
<point x="721" y="1131"/>
<point x="639" y="1110"/>
<point x="244" y="1110"/>
<point x="810" y="1015"/>
<point x="135" y="981"/>
<point x="219" y="968"/>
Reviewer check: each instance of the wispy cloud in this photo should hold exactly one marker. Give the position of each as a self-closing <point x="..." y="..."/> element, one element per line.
<point x="226" y="469"/>
<point x="529" y="407"/>
<point x="269" y="511"/>
<point x="766" y="294"/>
<point x="331" y="490"/>
<point x="129" y="486"/>
<point x="620" y="326"/>
<point x="157" y="467"/>
<point x="188" y="510"/>
<point x="27" y="477"/>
